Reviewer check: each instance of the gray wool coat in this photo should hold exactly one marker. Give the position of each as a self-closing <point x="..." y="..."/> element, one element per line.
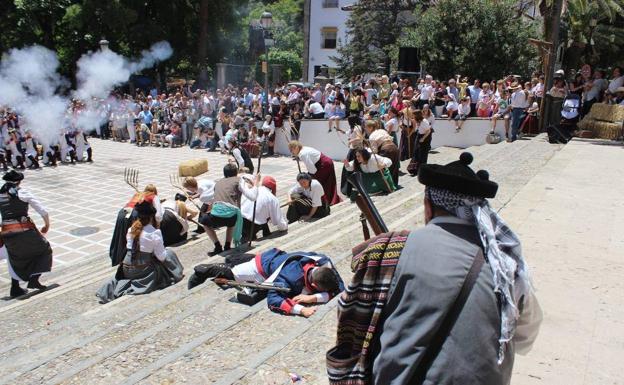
<point x="428" y="277"/>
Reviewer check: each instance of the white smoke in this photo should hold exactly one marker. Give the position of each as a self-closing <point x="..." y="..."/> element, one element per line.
<point x="31" y="86"/>
<point x="29" y="83"/>
<point x="99" y="72"/>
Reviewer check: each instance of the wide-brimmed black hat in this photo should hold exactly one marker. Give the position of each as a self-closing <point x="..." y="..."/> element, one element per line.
<point x="13" y="176"/>
<point x="458" y="177"/>
<point x="145" y="208"/>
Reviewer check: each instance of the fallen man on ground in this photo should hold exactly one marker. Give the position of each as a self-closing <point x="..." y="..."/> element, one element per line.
<point x="310" y="277"/>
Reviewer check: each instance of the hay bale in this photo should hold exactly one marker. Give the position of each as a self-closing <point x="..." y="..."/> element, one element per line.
<point x="598" y="111"/>
<point x="586" y="123"/>
<point x="607" y="130"/>
<point x="613" y="113"/>
<point x="193" y="167"/>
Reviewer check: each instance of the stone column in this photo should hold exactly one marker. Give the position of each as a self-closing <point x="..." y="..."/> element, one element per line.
<point x="221" y="75"/>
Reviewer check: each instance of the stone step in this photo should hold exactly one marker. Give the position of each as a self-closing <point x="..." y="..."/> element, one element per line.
<point x="111" y="351"/>
<point x="395" y="212"/>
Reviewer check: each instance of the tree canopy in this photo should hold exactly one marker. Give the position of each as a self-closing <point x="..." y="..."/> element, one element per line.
<point x="479" y="38"/>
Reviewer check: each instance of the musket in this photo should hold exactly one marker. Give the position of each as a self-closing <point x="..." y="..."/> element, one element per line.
<point x="298" y="164"/>
<point x="253" y="218"/>
<point x="366" y="205"/>
<point x="251" y="285"/>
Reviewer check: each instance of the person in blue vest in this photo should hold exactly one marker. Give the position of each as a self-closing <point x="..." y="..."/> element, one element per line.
<point x="311" y="278"/>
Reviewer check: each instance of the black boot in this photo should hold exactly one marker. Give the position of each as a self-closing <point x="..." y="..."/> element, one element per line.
<point x="35" y="162"/>
<point x="20" y="163"/>
<point x="227" y="246"/>
<point x="72" y="157"/>
<point x="205" y="271"/>
<point x="16" y="290"/>
<point x="218" y="249"/>
<point x="89" y="155"/>
<point x="265" y="231"/>
<point x="34" y="283"/>
<point x="199" y="230"/>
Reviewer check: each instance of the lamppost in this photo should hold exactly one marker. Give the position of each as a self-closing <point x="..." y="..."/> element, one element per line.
<point x="592" y="27"/>
<point x="266" y="21"/>
<point x="103" y="45"/>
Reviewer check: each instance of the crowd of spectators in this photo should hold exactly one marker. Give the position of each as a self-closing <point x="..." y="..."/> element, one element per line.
<point x="209" y="119"/>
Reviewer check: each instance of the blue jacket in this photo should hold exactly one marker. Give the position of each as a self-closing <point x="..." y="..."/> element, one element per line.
<point x="292" y="275"/>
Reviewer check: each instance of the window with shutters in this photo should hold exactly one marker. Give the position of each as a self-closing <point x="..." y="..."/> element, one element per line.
<point x="329" y="37"/>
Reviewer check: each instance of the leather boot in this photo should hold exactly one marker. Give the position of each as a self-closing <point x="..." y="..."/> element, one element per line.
<point x="16" y="290"/>
<point x="34" y="283"/>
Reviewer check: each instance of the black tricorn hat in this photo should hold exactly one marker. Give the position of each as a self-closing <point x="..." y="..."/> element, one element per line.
<point x="458" y="177"/>
<point x="13" y="176"/>
<point x="145" y="209"/>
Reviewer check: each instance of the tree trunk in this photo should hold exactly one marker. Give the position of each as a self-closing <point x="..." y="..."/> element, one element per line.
<point x="202" y="45"/>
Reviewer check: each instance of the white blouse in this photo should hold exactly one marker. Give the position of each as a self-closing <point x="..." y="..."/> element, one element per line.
<point x="150" y="241"/>
<point x="424" y="127"/>
<point x="378" y="137"/>
<point x="310" y="156"/>
<point x="374" y="164"/>
<point x="315" y="192"/>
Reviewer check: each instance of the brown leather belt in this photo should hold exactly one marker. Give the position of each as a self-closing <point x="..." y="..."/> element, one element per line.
<point x="17" y="227"/>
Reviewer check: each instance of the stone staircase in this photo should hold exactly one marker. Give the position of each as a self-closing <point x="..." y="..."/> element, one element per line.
<point x="63" y="336"/>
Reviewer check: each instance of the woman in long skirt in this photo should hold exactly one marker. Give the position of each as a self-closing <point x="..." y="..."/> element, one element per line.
<point x="147" y="265"/>
<point x="320" y="166"/>
<point x="382" y="143"/>
<point x="374" y="170"/>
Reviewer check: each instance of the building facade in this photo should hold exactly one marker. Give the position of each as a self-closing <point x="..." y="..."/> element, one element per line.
<point x="324" y="29"/>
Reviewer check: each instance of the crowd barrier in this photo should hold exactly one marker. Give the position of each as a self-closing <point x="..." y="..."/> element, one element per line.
<point x="314" y="133"/>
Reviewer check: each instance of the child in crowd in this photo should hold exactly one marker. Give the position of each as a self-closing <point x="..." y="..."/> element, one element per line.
<point x="463" y="112"/>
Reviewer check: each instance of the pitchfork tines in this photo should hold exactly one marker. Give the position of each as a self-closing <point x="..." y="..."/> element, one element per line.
<point x="131" y="176"/>
<point x="174" y="179"/>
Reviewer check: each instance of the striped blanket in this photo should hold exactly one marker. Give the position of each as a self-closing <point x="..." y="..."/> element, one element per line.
<point x="360" y="308"/>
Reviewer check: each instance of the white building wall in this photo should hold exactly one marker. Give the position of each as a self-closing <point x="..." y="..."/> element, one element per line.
<point x="320" y="18"/>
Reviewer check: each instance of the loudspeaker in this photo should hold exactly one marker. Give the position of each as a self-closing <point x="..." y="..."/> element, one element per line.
<point x="408" y="60"/>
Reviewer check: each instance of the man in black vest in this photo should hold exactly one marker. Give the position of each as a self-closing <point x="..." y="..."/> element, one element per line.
<point x="240" y="155"/>
<point x="29" y="252"/>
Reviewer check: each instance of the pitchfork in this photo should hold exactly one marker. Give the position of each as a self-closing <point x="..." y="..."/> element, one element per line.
<point x="174" y="179"/>
<point x="131" y="176"/>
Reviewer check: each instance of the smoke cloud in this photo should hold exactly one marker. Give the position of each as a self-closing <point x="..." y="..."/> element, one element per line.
<point x="31" y="86"/>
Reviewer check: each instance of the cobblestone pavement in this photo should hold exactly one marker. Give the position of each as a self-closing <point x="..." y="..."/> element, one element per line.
<point x="83" y="199"/>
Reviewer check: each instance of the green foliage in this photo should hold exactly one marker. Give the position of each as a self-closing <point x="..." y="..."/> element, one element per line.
<point x="373" y="29"/>
<point x="607" y="48"/>
<point x="74" y="27"/>
<point x="287" y="32"/>
<point x="479" y="38"/>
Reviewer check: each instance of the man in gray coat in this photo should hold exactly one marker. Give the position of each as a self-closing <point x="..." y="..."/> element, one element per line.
<point x="439" y="325"/>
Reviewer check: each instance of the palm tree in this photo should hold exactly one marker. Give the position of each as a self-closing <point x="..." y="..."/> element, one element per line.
<point x="586" y="21"/>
